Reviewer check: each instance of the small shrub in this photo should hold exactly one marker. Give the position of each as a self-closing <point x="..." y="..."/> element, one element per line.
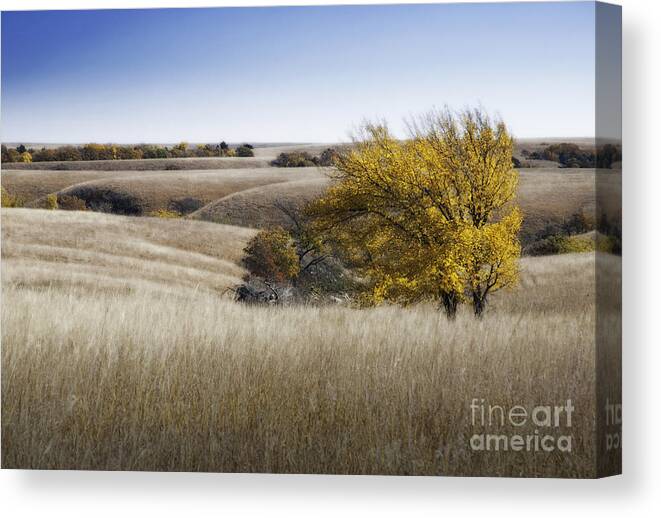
<point x="10" y="154"/>
<point x="577" y="244"/>
<point x="172" y="167"/>
<point x="164" y="213"/>
<point x="271" y="255"/>
<point x="561" y="244"/>
<point x="51" y="202"/>
<point x="579" y="223"/>
<point x="327" y="157"/>
<point x="244" y="151"/>
<point x="10" y="201"/>
<point x="67" y="202"/>
<point x="294" y="159"/>
<point x="26" y="157"/>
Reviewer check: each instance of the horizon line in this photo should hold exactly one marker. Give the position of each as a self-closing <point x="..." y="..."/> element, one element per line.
<point x="254" y="142"/>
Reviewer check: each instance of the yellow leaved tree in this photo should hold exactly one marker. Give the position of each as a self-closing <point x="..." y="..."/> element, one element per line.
<point x="430" y="217"/>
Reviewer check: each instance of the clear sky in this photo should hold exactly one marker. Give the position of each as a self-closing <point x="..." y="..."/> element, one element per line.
<point x="292" y="74"/>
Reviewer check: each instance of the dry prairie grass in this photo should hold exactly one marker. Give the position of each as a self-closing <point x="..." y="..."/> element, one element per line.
<point x="189" y="381"/>
<point x="551" y="196"/>
<point x="100" y="251"/>
<point x="245" y="196"/>
<point x="151" y="164"/>
<point x="154" y="192"/>
<point x="33" y="185"/>
<point x="151" y="190"/>
<point x="272" y="151"/>
<point x="257" y="208"/>
<point x="546" y="196"/>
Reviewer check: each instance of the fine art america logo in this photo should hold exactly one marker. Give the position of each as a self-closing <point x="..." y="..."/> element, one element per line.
<point x="548" y="425"/>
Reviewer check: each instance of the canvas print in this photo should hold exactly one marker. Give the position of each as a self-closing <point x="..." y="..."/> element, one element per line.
<point x="375" y="240"/>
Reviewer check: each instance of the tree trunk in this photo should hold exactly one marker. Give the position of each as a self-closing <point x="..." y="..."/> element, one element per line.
<point x="450" y="302"/>
<point x="479" y="302"/>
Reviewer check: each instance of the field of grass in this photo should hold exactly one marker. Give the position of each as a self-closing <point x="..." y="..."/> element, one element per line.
<point x="245" y="197"/>
<point x="151" y="164"/>
<point x="191" y="381"/>
<point x="31" y="186"/>
<point x="158" y="191"/>
<point x="121" y="348"/>
<point x="551" y="196"/>
<point x="257" y="207"/>
<point x="42" y="249"/>
<point x="546" y="196"/>
<point x="150" y="190"/>
<point x="241" y="192"/>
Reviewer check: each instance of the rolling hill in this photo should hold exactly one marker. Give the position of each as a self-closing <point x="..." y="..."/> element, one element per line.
<point x="104" y="252"/>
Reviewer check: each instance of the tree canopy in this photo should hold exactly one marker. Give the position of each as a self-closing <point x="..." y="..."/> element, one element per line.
<point x="271" y="255"/>
<point x="430" y="217"/>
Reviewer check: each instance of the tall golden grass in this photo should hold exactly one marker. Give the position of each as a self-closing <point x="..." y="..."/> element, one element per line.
<point x="94" y="251"/>
<point x="141" y="380"/>
<point x="119" y="351"/>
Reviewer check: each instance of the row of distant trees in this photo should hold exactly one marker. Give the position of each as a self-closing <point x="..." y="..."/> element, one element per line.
<point x="121" y="152"/>
<point x="571" y="155"/>
<point x="326" y="158"/>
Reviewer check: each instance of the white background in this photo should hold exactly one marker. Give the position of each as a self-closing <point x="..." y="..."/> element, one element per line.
<point x="636" y="493"/>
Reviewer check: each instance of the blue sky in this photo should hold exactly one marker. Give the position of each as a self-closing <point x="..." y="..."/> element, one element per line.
<point x="297" y="74"/>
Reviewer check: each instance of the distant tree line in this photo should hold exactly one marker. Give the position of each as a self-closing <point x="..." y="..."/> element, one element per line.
<point x="327" y="158"/>
<point x="121" y="152"/>
<point x="571" y="155"/>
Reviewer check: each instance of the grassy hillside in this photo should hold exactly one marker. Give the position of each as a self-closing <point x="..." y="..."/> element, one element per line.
<point x="551" y="196"/>
<point x="209" y="385"/>
<point x="271" y="152"/>
<point x="121" y="349"/>
<point x="257" y="207"/>
<point x="246" y="197"/>
<point x="147" y="191"/>
<point x="153" y="192"/>
<point x="152" y="164"/>
<point x="98" y="252"/>
<point x="546" y="196"/>
<point x="30" y="186"/>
